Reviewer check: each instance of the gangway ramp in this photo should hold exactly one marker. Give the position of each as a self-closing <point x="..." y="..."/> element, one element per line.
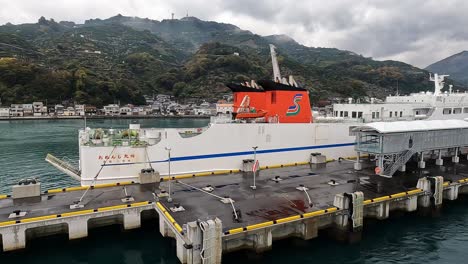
<point x="395" y="143"/>
<point x="64" y="166"/>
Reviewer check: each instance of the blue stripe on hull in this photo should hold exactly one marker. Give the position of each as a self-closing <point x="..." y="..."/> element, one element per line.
<point x="241" y="153"/>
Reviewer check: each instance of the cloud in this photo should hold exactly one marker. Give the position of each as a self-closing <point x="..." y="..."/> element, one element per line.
<point x="417" y="31"/>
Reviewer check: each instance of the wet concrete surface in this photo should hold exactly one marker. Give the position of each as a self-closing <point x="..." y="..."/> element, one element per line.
<point x="271" y="200"/>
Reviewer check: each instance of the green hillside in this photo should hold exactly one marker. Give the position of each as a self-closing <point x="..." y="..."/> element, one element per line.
<point x="123" y="58"/>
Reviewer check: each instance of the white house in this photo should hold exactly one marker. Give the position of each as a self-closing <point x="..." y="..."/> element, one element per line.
<point x="59" y="109"/>
<point x="4" y="111"/>
<point x="37" y="108"/>
<point x="16" y="110"/>
<point x="111" y="109"/>
<point x="125" y="110"/>
<point x="70" y="111"/>
<point x="28" y="110"/>
<point x="80" y="110"/>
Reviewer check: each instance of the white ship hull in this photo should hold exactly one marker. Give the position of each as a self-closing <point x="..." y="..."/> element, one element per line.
<point x="220" y="147"/>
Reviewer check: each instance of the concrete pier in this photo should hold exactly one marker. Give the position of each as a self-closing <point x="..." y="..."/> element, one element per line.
<point x="333" y="197"/>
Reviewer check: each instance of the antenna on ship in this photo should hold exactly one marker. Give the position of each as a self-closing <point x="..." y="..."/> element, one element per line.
<point x="438" y="82"/>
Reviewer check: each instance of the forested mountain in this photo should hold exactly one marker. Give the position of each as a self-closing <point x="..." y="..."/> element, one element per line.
<point x="123" y="58"/>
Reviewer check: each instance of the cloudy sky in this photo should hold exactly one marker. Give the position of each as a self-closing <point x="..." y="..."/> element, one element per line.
<point x="415" y="31"/>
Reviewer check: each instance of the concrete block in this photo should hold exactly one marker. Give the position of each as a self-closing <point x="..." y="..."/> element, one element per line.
<point x="452" y="193"/>
<point x="383" y="210"/>
<point x="455" y="159"/>
<point x="131" y="220"/>
<point x="181" y="251"/>
<point x="358" y="166"/>
<point x="263" y="240"/>
<point x="24" y="191"/>
<point x="318" y="159"/>
<point x="422" y="164"/>
<point x="309" y="229"/>
<point x="148" y="177"/>
<point x="439" y="162"/>
<point x="14" y="238"/>
<point x="194" y="235"/>
<point x="78" y="228"/>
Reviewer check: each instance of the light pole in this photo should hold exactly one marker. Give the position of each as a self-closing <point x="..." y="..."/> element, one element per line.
<point x="169" y="198"/>
<point x="254" y="167"/>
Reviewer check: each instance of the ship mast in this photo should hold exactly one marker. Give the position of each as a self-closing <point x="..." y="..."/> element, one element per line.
<point x="438" y="82"/>
<point x="274" y="62"/>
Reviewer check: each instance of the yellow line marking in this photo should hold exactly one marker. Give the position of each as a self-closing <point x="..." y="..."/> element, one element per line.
<point x="75" y="213"/>
<point x="7" y="223"/>
<point x="283" y="220"/>
<point x="3" y="196"/>
<point x="89" y="211"/>
<point x="82" y="188"/>
<point x="169" y="217"/>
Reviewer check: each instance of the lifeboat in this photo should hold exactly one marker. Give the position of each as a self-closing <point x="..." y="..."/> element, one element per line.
<point x="256" y="114"/>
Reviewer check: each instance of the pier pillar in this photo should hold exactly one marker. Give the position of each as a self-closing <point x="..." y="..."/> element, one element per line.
<point x="309" y="229"/>
<point x="452" y="193"/>
<point x="263" y="240"/>
<point x="357" y="164"/>
<point x="411" y="204"/>
<point x="425" y="185"/>
<point x="194" y="235"/>
<point x="14" y="237"/>
<point x="421" y="163"/>
<point x="456" y="159"/>
<point x="439" y="160"/>
<point x="78" y="228"/>
<point x="132" y="219"/>
<point x="383" y="210"/>
<point x="164" y="229"/>
<point x="181" y="251"/>
<point x="342" y="202"/>
<point x="402" y="168"/>
<point x="212" y="246"/>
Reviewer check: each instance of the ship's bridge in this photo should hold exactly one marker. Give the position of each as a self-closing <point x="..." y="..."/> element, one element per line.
<point x="394" y="143"/>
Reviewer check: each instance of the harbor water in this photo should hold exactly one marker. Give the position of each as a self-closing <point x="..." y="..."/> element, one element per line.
<point x="408" y="238"/>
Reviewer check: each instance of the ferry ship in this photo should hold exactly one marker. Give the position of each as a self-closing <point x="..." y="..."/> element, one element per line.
<point x="271" y="119"/>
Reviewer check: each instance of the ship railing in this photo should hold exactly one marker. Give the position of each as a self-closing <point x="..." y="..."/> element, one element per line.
<point x="62" y="163"/>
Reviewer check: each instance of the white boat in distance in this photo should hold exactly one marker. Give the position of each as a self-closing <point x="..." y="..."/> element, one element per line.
<point x="271" y="118"/>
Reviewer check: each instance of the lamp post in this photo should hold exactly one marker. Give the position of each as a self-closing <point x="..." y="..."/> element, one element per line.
<point x="254" y="167"/>
<point x="169" y="198"/>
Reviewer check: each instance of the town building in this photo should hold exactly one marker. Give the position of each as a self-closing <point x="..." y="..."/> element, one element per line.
<point x="111" y="110"/>
<point x="16" y="110"/>
<point x="59" y="109"/>
<point x="4" y="111"/>
<point x="80" y="110"/>
<point x="28" y="110"/>
<point x="224" y="108"/>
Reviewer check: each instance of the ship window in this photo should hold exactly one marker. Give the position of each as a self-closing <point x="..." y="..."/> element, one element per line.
<point x="447" y="111"/>
<point x="377" y="115"/>
<point x="373" y="115"/>
<point x="465" y="110"/>
<point x="273" y="97"/>
<point x="401" y="113"/>
<point x="391" y="113"/>
<point x="359" y="114"/>
<point x="353" y="114"/>
<point x="341" y="113"/>
<point x="396" y="113"/>
<point x="345" y="113"/>
<point x="457" y="110"/>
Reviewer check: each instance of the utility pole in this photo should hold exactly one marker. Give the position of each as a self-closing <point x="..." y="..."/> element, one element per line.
<point x="254" y="167"/>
